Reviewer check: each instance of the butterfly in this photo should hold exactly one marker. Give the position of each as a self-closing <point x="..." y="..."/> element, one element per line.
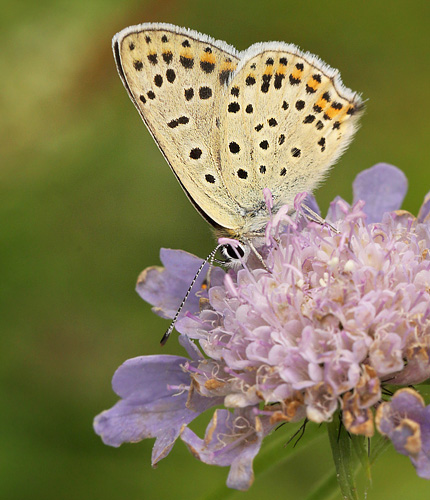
<point x="231" y="124"/>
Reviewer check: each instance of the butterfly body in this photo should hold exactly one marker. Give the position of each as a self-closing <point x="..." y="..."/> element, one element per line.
<point x="232" y="123"/>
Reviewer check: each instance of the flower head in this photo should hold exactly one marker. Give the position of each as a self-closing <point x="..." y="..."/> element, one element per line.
<point x="335" y="315"/>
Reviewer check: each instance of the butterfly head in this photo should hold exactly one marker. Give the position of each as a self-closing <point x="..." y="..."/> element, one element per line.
<point x="235" y="255"/>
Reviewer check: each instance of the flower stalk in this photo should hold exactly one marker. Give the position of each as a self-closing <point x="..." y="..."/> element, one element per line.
<point x="344" y="459"/>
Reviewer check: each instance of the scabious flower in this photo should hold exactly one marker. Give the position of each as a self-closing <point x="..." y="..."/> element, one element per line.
<point x="341" y="310"/>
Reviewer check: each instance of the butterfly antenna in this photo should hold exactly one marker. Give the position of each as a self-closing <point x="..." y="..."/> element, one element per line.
<point x="210" y="259"/>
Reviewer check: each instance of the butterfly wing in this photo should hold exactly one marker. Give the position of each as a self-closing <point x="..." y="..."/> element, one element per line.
<point x="286" y="120"/>
<point x="177" y="79"/>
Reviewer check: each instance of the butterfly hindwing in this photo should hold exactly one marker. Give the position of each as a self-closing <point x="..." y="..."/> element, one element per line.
<point x="286" y="120"/>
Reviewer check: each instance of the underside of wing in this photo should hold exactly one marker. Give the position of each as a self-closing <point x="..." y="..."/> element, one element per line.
<point x="177" y="79"/>
<point x="287" y="121"/>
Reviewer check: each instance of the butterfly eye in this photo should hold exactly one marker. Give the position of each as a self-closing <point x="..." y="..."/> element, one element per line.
<point x="234" y="253"/>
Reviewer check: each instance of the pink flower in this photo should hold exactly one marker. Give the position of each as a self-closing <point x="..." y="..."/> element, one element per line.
<point x="337" y="314"/>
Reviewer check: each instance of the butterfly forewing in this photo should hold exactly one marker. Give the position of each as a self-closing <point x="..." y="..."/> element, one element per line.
<point x="177" y="79"/>
<point x="286" y="120"/>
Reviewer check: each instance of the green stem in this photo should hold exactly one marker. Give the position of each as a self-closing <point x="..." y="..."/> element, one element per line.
<point x="343" y="458"/>
<point x="361" y="449"/>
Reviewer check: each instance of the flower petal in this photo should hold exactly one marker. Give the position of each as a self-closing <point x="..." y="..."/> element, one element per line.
<point x="191" y="348"/>
<point x="165" y="287"/>
<point x="154" y="404"/>
<point x="231" y="439"/>
<point x="424" y="212"/>
<point x="311" y="202"/>
<point x="383" y="188"/>
<point x="356" y="420"/>
<point x="337" y="209"/>
<point x="417" y="369"/>
<point x="406" y="422"/>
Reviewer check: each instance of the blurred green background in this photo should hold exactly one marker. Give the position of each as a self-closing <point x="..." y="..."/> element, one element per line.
<point x="87" y="201"/>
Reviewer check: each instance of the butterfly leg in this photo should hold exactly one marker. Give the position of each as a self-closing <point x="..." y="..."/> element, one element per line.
<point x="257" y="253"/>
<point x="313" y="216"/>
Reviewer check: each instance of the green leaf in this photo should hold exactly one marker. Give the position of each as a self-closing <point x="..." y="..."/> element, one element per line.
<point x="341" y="448"/>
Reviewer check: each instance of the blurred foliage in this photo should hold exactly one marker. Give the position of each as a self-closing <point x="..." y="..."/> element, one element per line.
<point x="87" y="201"/>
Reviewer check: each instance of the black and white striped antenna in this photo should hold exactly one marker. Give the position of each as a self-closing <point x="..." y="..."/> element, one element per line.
<point x="210" y="258"/>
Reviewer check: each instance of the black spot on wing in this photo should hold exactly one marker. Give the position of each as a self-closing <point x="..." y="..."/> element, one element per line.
<point x="152" y="58"/>
<point x="187" y="62"/>
<point x="138" y="65"/>
<point x="189" y="93"/>
<point x="300" y="105"/>
<point x="205" y="92"/>
<point x="195" y="153"/>
<point x="309" y="119"/>
<point x="167" y="56"/>
<point x="170" y="75"/>
<point x="207" y="66"/>
<point x="250" y="80"/>
<point x="234" y="147"/>
<point x="233" y="107"/>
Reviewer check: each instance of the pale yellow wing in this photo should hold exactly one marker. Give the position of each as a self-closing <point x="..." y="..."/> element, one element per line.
<point x="286" y="120"/>
<point x="177" y="79"/>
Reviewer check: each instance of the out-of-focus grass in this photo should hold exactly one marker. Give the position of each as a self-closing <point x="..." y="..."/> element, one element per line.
<point x="87" y="201"/>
